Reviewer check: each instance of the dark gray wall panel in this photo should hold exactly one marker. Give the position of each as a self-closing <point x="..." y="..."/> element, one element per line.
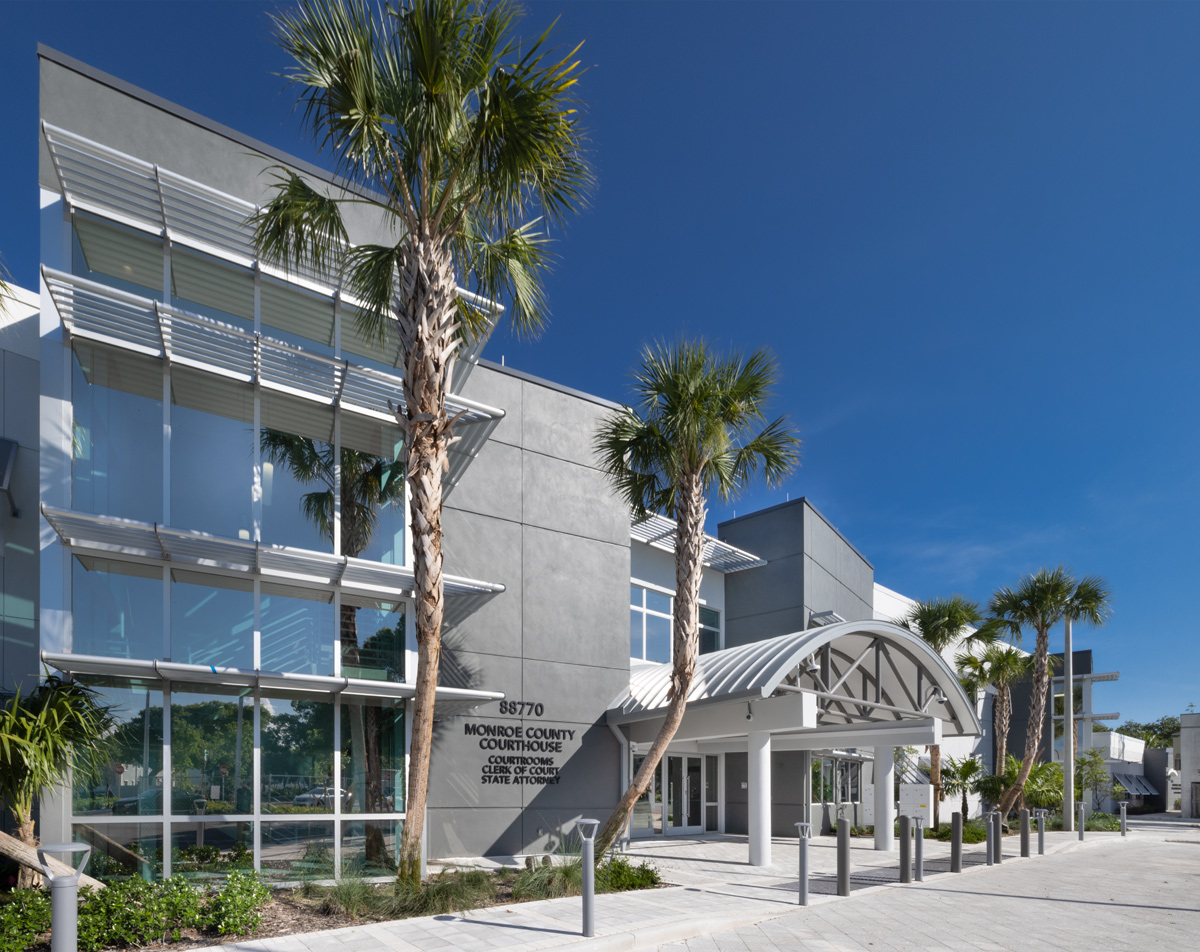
<point x="567" y="497"/>
<point x="588" y="772"/>
<point x="474" y="831"/>
<point x="560" y="425"/>
<point x="497" y="389"/>
<point x="489" y="549"/>
<point x="492" y="484"/>
<point x="571" y="691"/>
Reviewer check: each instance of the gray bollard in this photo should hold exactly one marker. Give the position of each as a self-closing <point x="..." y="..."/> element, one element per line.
<point x="64" y="897"/>
<point x="1081" y="818"/>
<point x="956" y="828"/>
<point x="990" y="829"/>
<point x="1041" y="821"/>
<point x="919" y="849"/>
<point x="1124" y="804"/>
<point x="1025" y="833"/>
<point x="905" y="849"/>
<point x="803" y="830"/>
<point x="587" y="831"/>
<point x="843" y="857"/>
<point x="998" y="840"/>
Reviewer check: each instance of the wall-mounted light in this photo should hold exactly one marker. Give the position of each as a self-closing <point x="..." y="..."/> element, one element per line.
<point x="749" y="712"/>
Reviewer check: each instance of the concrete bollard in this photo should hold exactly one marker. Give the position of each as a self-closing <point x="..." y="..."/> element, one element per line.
<point x="804" y="830"/>
<point x="1041" y="820"/>
<point x="998" y="840"/>
<point x="64" y="897"/>
<point x="919" y="849"/>
<point x="1124" y="804"/>
<point x="1079" y="804"/>
<point x="905" y="849"/>
<point x="956" y="834"/>
<point x="1025" y="833"/>
<point x="843" y="857"/>
<point x="990" y="829"/>
<point x="587" y="831"/>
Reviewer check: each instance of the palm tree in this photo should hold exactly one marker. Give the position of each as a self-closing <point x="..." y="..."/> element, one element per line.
<point x="59" y="725"/>
<point x="367" y="483"/>
<point x="466" y="143"/>
<point x="1000" y="667"/>
<point x="694" y="432"/>
<point x="961" y="776"/>
<point x="942" y="623"/>
<point x="1041" y="601"/>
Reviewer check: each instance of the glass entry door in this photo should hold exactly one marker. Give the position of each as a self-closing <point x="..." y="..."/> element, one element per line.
<point x="684" y="788"/>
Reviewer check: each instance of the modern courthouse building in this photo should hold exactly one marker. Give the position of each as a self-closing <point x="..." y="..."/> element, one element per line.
<point x="197" y="437"/>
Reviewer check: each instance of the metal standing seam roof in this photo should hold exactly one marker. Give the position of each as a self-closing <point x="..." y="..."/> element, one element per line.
<point x="1135" y="784"/>
<point x="111" y="537"/>
<point x="141" y="195"/>
<point x="659" y="531"/>
<point x="143" y="326"/>
<point x="757" y="670"/>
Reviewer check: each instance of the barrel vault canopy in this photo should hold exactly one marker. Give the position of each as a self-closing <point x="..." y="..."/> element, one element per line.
<point x="875" y="671"/>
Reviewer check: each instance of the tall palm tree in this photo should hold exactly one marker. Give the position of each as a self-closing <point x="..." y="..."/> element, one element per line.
<point x="367" y="483"/>
<point x="467" y="143"/>
<point x="1039" y="602"/>
<point x="694" y="432"/>
<point x="58" y="725"/>
<point x="960" y="777"/>
<point x="999" y="666"/>
<point x="942" y="623"/>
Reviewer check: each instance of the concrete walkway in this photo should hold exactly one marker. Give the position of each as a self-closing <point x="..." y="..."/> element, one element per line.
<point x="720" y="904"/>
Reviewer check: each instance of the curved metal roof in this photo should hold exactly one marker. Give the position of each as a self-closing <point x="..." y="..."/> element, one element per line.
<point x="844" y="660"/>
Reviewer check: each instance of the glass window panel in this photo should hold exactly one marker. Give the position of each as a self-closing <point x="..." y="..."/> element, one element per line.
<point x="366" y="347"/>
<point x="637" y="647"/>
<point x="297" y="491"/>
<point x="297" y="756"/>
<point x="379" y="481"/>
<point x="116" y="440"/>
<point x="369" y="846"/>
<point x="211" y="851"/>
<point x="211" y="288"/>
<point x="710" y="818"/>
<point x="297" y="316"/>
<point x="710" y="778"/>
<point x="709" y="640"/>
<point x="117" y="609"/>
<point x="297" y="632"/>
<point x="116" y="256"/>
<point x="658" y="638"/>
<point x="122" y="850"/>
<point x="373" y="636"/>
<point x="210" y="732"/>
<point x="294" y="852"/>
<point x="212" y="620"/>
<point x="645" y="808"/>
<point x="130" y="782"/>
<point x="373" y="756"/>
<point x="710" y="618"/>
<point x="658" y="602"/>
<point x="635" y="595"/>
<point x="211" y="473"/>
<point x="674" y="791"/>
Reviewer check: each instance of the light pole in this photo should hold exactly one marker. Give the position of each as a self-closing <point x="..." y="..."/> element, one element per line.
<point x="1068" y="724"/>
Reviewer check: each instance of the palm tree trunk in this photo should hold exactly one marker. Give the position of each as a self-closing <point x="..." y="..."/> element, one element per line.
<point x="1001" y="716"/>
<point x="964" y="805"/>
<point x="935" y="777"/>
<point x="1037" y="717"/>
<point x="690" y="512"/>
<point x="27" y="877"/>
<point x="427" y="324"/>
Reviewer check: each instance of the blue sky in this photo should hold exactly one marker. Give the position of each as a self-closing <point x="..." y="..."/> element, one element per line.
<point x="969" y="232"/>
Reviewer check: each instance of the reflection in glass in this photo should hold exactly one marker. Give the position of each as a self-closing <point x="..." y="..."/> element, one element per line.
<point x="637" y="645"/>
<point x="212" y="620"/>
<point x="369" y="846"/>
<point x="212" y="742"/>
<point x="211" y="850"/>
<point x="297" y="491"/>
<point x="131" y="783"/>
<point x="658" y="602"/>
<point x="116" y="256"/>
<point x="372" y="639"/>
<point x="116" y="444"/>
<point x="647" y="810"/>
<point x="211" y="472"/>
<point x="293" y="852"/>
<point x="297" y="630"/>
<point x="658" y="638"/>
<point x="122" y="850"/>
<point x="116" y="608"/>
<point x="297" y="756"/>
<point x="674" y="791"/>
<point x="373" y="755"/>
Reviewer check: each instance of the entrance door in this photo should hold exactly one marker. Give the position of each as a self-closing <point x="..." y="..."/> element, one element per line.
<point x="684" y="788"/>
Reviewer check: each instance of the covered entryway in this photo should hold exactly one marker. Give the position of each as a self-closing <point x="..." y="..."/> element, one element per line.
<point x="852" y="685"/>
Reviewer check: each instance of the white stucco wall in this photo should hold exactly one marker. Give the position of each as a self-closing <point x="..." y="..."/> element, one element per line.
<point x="654" y="567"/>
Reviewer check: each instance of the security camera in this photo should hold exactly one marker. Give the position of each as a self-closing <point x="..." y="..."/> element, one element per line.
<point x="749" y="713"/>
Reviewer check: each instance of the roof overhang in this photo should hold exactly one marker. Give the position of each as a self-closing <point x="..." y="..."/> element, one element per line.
<point x="659" y="532"/>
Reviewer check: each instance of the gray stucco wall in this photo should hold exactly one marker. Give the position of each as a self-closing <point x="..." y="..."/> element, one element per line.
<point x="810" y="568"/>
<point x="534" y="513"/>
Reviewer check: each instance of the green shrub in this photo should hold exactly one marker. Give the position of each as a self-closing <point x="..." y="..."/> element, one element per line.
<point x="24" y="915"/>
<point x="619" y="875"/>
<point x="235" y="909"/>
<point x="549" y="882"/>
<point x="447" y="892"/>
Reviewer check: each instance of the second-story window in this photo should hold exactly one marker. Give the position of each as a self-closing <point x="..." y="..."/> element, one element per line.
<point x="650" y="621"/>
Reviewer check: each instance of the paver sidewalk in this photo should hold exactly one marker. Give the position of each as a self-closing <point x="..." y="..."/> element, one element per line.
<point x="717" y="895"/>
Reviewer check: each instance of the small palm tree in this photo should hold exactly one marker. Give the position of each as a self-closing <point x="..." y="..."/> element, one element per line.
<point x="942" y="623"/>
<point x="960" y="777"/>
<point x="59" y="725"/>
<point x="999" y="666"/>
<point x="464" y="142"/>
<point x="1040" y="602"/>
<point x="694" y="432"/>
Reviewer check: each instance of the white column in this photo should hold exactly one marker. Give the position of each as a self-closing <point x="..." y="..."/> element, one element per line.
<point x="758" y="747"/>
<point x="885" y="806"/>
